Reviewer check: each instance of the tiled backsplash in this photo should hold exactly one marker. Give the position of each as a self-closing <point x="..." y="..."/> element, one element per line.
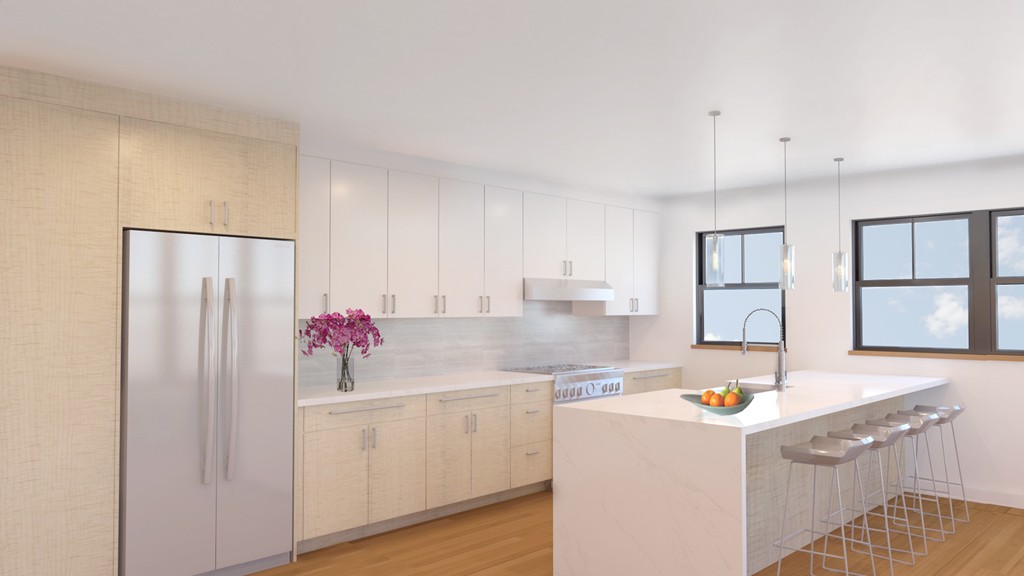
<point x="547" y="333"/>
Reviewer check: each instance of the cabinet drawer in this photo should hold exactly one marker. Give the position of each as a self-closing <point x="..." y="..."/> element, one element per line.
<point x="473" y="399"/>
<point x="532" y="392"/>
<point x="648" y="380"/>
<point x="531" y="423"/>
<point x="531" y="463"/>
<point x="331" y="416"/>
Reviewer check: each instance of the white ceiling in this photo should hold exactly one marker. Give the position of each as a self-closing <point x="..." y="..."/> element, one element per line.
<point x="602" y="93"/>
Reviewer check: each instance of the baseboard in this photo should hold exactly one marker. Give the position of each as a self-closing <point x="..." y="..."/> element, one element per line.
<point x="417" y="518"/>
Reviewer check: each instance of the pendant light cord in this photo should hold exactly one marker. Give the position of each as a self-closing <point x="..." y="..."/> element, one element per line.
<point x="714" y="162"/>
<point x="785" y="186"/>
<point x="839" y="201"/>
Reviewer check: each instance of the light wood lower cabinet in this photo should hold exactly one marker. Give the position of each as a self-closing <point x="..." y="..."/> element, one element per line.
<point x="530" y="412"/>
<point x="363" y="462"/>
<point x="648" y="380"/>
<point x="467" y="444"/>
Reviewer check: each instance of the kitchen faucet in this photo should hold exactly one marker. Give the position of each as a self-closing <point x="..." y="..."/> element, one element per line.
<point x="780" y="373"/>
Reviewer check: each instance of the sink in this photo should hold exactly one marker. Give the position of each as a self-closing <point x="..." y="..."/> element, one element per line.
<point x="757" y="387"/>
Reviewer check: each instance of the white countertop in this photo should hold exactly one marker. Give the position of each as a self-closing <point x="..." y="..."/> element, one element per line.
<point x="373" y="389"/>
<point x="810" y="394"/>
<point x="370" y="390"/>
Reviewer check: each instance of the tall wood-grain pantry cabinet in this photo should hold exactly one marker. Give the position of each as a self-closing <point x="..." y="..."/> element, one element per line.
<point x="78" y="162"/>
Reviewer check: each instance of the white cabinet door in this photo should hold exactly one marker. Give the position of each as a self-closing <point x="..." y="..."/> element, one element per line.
<point x="313" y="252"/>
<point x="359" y="237"/>
<point x="503" y="246"/>
<point x="412" y="245"/>
<point x="585" y="240"/>
<point x="646" y="239"/>
<point x="461" y="248"/>
<point x="544" y="236"/>
<point x="619" y="254"/>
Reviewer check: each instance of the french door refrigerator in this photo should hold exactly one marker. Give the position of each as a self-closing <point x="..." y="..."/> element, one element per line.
<point x="207" y="404"/>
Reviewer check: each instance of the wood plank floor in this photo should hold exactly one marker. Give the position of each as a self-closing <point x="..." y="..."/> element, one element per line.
<point x="514" y="539"/>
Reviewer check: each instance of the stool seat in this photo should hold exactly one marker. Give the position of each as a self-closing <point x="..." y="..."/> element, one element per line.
<point x="946" y="413"/>
<point x="883" y="436"/>
<point x="825" y="451"/>
<point x="918" y="422"/>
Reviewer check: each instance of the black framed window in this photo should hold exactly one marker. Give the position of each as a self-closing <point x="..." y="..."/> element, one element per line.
<point x="751" y="263"/>
<point x="941" y="283"/>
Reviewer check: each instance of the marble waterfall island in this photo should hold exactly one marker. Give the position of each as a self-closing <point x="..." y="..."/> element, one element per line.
<point x="651" y="484"/>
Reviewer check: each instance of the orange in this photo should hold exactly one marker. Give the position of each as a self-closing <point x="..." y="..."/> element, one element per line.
<point x="705" y="398"/>
<point x="716" y="400"/>
<point x="732" y="399"/>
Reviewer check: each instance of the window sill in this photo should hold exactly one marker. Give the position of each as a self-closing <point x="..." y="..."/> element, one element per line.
<point x="734" y="347"/>
<point x="938" y="355"/>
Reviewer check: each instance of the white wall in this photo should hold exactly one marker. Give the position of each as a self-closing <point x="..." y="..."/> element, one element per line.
<point x="819" y="323"/>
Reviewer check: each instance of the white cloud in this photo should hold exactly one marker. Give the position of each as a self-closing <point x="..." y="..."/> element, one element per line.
<point x="1011" y="248"/>
<point x="711" y="336"/>
<point x="948" y="318"/>
<point x="897" y="305"/>
<point x="1011" y="307"/>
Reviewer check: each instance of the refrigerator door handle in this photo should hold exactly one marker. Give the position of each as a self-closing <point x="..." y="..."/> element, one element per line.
<point x="208" y="370"/>
<point x="232" y="364"/>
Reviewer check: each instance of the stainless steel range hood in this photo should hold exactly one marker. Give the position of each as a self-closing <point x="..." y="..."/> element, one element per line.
<point x="567" y="289"/>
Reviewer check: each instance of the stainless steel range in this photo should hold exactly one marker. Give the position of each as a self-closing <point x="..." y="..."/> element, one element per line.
<point x="575" y="382"/>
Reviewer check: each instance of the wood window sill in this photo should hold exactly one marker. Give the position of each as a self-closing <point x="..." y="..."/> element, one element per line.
<point x="938" y="355"/>
<point x="734" y="347"/>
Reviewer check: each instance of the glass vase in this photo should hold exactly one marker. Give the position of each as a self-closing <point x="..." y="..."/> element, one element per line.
<point x="346" y="378"/>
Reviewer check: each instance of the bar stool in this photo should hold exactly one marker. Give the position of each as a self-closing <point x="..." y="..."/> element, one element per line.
<point x="884" y="437"/>
<point x="919" y="424"/>
<point x="823" y="452"/>
<point x="919" y="479"/>
<point x="946" y="416"/>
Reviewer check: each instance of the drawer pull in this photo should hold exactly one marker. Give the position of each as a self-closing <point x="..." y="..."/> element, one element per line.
<point x="649" y="377"/>
<point x="533" y="411"/>
<point x="469" y="397"/>
<point x="533" y="453"/>
<point x="338" y="412"/>
<point x="533" y="389"/>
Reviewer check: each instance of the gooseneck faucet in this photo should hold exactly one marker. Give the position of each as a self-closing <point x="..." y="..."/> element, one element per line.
<point x="780" y="373"/>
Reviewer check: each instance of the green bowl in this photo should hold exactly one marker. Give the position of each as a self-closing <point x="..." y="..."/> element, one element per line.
<point x="720" y="410"/>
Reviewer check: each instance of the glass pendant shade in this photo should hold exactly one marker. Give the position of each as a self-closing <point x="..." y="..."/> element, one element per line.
<point x="787" y="267"/>
<point x="714" y="261"/>
<point x="840" y="271"/>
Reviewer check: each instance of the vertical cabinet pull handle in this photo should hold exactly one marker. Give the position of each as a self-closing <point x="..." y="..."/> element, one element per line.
<point x="481" y="304"/>
<point x="230" y="300"/>
<point x="373" y="442"/>
<point x="325" y="303"/>
<point x="393" y="298"/>
<point x="444" y="304"/>
<point x="474" y="422"/>
<point x="570" y="267"/>
<point x="211" y="214"/>
<point x="435" y="303"/>
<point x="364" y="439"/>
<point x="208" y="367"/>
<point x="488" y="304"/>
<point x="383" y="303"/>
<point x="466" y="417"/>
<point x="225" y="214"/>
<point x="565" y="267"/>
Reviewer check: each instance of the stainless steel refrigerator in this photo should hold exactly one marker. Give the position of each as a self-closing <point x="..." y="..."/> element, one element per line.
<point x="207" y="404"/>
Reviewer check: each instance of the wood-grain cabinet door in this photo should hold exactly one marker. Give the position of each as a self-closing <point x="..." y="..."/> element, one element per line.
<point x="185" y="179"/>
<point x="398" y="457"/>
<point x="490" y="433"/>
<point x="335" y="478"/>
<point x="449" y="458"/>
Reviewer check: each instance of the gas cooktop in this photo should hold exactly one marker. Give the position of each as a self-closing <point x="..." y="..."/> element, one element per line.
<point x="560" y="369"/>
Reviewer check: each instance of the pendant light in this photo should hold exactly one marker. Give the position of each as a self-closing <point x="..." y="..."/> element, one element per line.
<point x="714" y="263"/>
<point x="840" y="259"/>
<point x="787" y="252"/>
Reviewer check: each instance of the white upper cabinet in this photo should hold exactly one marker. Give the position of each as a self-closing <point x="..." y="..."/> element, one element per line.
<point x="632" y="260"/>
<point x="562" y="238"/>
<point x="461" y="249"/>
<point x="313" y="256"/>
<point x="619" y="252"/>
<point x="359" y="238"/>
<point x="503" y="248"/>
<point x="646" y="239"/>
<point x="412" y="224"/>
<point x="585" y="249"/>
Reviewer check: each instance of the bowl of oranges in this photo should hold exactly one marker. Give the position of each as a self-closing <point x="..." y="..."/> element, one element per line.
<point x="729" y="400"/>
